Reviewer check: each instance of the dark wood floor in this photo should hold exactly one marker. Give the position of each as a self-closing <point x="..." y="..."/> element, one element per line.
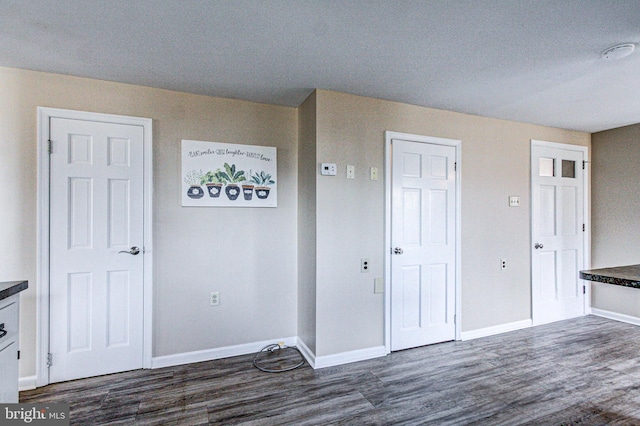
<point x="578" y="372"/>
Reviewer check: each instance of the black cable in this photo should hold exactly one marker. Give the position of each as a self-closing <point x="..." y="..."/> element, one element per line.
<point x="273" y="348"/>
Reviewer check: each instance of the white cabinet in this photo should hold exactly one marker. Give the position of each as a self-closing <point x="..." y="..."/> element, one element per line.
<point x="9" y="308"/>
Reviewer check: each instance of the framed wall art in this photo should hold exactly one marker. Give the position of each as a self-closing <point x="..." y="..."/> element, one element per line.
<point x="218" y="174"/>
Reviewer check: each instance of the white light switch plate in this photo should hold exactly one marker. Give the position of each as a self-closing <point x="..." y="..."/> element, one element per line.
<point x="351" y="171"/>
<point x="514" y="201"/>
<point x="373" y="173"/>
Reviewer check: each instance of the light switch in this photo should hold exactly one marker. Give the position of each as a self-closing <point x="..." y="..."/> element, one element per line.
<point x="351" y="171"/>
<point x="373" y="173"/>
<point x="514" y="201"/>
<point x="328" y="169"/>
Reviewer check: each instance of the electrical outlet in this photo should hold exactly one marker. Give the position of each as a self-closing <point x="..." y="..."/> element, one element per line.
<point x="364" y="265"/>
<point x="214" y="298"/>
<point x="503" y="263"/>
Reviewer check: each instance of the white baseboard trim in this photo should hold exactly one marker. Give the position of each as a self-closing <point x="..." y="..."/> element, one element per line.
<point x="248" y="348"/>
<point x="496" y="329"/>
<point x="307" y="353"/>
<point x="27" y="383"/>
<point x="217" y="353"/>
<point x="615" y="316"/>
<point x="348" y="357"/>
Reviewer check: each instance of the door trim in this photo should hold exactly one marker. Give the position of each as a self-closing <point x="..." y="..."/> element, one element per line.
<point x="43" y="287"/>
<point x="586" y="243"/>
<point x="457" y="144"/>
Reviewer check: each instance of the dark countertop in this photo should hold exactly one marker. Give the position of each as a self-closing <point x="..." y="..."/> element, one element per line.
<point x="627" y="276"/>
<point x="9" y="288"/>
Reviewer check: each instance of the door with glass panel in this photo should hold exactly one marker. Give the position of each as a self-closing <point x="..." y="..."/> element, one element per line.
<point x="557" y="231"/>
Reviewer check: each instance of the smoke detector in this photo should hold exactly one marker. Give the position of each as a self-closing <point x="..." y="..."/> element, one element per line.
<point x="618" y="52"/>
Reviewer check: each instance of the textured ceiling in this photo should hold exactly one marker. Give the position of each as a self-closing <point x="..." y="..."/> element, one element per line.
<point x="532" y="61"/>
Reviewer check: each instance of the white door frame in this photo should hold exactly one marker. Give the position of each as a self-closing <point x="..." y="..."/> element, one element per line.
<point x="586" y="245"/>
<point x="389" y="136"/>
<point x="43" y="288"/>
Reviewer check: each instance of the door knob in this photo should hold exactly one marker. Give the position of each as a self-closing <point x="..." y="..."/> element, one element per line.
<point x="134" y="250"/>
<point x="538" y="246"/>
<point x="398" y="250"/>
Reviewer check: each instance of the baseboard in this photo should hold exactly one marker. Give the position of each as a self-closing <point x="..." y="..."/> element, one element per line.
<point x="348" y="357"/>
<point x="615" y="316"/>
<point x="217" y="353"/>
<point x="27" y="383"/>
<point x="306" y="353"/>
<point x="496" y="329"/>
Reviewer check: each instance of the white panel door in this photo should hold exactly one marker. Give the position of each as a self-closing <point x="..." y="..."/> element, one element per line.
<point x="423" y="239"/>
<point x="96" y="271"/>
<point x="557" y="233"/>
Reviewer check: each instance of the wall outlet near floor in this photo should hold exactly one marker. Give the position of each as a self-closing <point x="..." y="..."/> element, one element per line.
<point x="214" y="298"/>
<point x="364" y="265"/>
<point x="503" y="263"/>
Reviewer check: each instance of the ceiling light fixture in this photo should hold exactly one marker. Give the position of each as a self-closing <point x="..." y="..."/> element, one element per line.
<point x="618" y="52"/>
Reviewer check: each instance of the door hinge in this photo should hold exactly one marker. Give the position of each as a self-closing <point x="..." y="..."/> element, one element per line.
<point x="49" y="359"/>
<point x="455" y="166"/>
<point x="49" y="149"/>
<point x="584" y="289"/>
<point x="583" y="228"/>
<point x="18" y="354"/>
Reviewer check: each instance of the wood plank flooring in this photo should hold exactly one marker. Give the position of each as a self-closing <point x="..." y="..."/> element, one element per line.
<point x="584" y="371"/>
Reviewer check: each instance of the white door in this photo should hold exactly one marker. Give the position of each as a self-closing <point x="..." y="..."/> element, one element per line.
<point x="557" y="232"/>
<point x="96" y="230"/>
<point x="423" y="204"/>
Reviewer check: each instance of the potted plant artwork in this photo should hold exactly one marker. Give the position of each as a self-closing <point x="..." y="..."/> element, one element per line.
<point x="247" y="191"/>
<point x="262" y="181"/>
<point x="213" y="182"/>
<point x="232" y="177"/>
<point x="193" y="178"/>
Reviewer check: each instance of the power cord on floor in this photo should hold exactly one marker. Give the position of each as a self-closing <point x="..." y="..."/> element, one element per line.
<point x="274" y="348"/>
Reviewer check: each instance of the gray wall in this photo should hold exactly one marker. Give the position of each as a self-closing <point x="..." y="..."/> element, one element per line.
<point x="248" y="255"/>
<point x="350" y="214"/>
<point x="293" y="270"/>
<point x="307" y="172"/>
<point x="615" y="201"/>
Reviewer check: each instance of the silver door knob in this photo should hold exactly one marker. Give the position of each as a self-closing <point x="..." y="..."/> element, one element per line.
<point x="134" y="250"/>
<point x="398" y="250"/>
<point x="538" y="246"/>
